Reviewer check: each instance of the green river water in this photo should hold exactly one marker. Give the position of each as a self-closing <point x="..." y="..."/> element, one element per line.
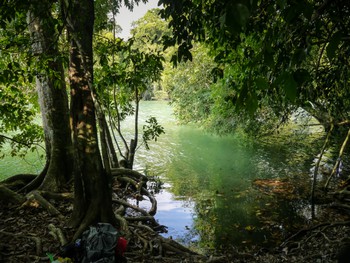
<point x="207" y="198"/>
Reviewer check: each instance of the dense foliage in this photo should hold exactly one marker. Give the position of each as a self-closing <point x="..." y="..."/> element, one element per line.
<point x="280" y="55"/>
<point x="105" y="79"/>
<point x="248" y="63"/>
<point x="18" y="100"/>
<point x="119" y="66"/>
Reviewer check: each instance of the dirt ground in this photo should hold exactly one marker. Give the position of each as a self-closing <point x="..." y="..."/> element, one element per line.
<point x="25" y="236"/>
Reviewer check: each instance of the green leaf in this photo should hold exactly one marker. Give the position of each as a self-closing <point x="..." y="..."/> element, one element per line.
<point x="308" y="9"/>
<point x="222" y="20"/>
<point x="333" y="45"/>
<point x="50" y="256"/>
<point x="236" y="17"/>
<point x="243" y="14"/>
<point x="268" y="59"/>
<point x="282" y="3"/>
<point x="252" y="103"/>
<point x="261" y="83"/>
<point x="301" y="76"/>
<point x="290" y="86"/>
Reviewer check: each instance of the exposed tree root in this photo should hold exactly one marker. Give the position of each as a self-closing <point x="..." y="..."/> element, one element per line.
<point x="140" y="191"/>
<point x="136" y="208"/>
<point x="142" y="228"/>
<point x="304" y="231"/>
<point x="57" y="233"/>
<point x="56" y="196"/>
<point x="331" y="236"/>
<point x="36" y="182"/>
<point x="36" y="199"/>
<point x="173" y="246"/>
<point x="9" y="196"/>
<point x="135" y="223"/>
<point x="124" y="226"/>
<point x="153" y="201"/>
<point x="18" y="181"/>
<point x="130" y="173"/>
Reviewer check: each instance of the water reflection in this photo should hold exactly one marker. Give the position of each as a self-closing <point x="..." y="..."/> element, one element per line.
<point x="213" y="176"/>
<point x="208" y="197"/>
<point x="178" y="213"/>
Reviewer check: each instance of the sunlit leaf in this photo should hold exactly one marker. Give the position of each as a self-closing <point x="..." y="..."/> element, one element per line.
<point x="249" y="228"/>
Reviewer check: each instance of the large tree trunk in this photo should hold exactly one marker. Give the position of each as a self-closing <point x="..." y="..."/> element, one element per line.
<point x="52" y="95"/>
<point x="93" y="198"/>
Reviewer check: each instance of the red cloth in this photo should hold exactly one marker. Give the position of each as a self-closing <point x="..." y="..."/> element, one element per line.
<point x="121" y="246"/>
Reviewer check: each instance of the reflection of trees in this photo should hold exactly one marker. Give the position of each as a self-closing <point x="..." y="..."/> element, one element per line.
<point x="205" y="221"/>
<point x="225" y="219"/>
<point x="214" y="194"/>
<point x="212" y="171"/>
<point x="217" y="174"/>
<point x="184" y="183"/>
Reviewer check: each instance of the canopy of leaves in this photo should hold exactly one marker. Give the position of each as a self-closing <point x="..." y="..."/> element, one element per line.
<point x="124" y="73"/>
<point x="149" y="30"/>
<point x="283" y="54"/>
<point x="189" y="86"/>
<point x="19" y="65"/>
<point x="18" y="100"/>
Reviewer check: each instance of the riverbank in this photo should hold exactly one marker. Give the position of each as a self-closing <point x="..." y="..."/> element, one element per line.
<point x="27" y="234"/>
<point x="217" y="175"/>
<point x="25" y="237"/>
<point x="209" y="196"/>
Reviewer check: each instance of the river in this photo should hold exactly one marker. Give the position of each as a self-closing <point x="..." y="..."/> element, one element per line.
<point x="207" y="199"/>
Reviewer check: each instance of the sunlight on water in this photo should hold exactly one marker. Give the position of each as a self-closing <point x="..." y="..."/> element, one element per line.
<point x="215" y="176"/>
<point x="207" y="196"/>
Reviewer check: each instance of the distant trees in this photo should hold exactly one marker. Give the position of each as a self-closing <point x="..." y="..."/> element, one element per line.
<point x="149" y="30"/>
<point x="189" y="86"/>
<point x="124" y="77"/>
<point x="237" y="62"/>
<point x="272" y="56"/>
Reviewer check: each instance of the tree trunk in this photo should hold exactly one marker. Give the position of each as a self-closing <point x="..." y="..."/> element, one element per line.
<point x="52" y="95"/>
<point x="113" y="159"/>
<point x="133" y="142"/>
<point x="93" y="198"/>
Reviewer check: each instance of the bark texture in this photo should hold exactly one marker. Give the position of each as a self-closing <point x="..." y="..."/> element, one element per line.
<point x="93" y="198"/>
<point x="52" y="95"/>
